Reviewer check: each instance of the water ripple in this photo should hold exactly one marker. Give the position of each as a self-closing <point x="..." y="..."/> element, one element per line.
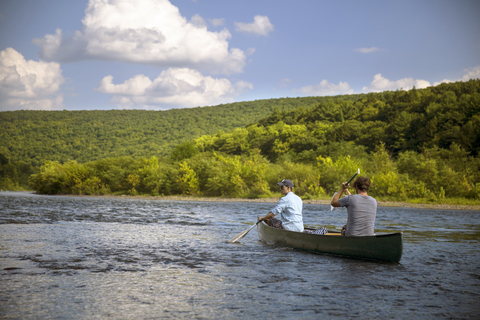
<point x="76" y="257"/>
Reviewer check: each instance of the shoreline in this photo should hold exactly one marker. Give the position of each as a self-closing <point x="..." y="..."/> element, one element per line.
<point x="265" y="200"/>
<point x="275" y="200"/>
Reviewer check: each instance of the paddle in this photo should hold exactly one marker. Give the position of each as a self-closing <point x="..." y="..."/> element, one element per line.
<point x="242" y="234"/>
<point x="349" y="180"/>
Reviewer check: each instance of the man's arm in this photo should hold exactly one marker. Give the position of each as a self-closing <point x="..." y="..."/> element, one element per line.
<point x="335" y="198"/>
<point x="267" y="217"/>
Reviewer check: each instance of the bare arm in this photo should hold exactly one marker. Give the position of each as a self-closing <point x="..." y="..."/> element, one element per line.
<point x="335" y="198"/>
<point x="267" y="217"/>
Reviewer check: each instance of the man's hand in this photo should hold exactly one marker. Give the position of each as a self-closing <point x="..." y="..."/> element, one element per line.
<point x="267" y="217"/>
<point x="337" y="196"/>
<point x="344" y="187"/>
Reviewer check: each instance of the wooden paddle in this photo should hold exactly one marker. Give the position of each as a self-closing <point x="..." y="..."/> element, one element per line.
<point x="242" y="234"/>
<point x="349" y="180"/>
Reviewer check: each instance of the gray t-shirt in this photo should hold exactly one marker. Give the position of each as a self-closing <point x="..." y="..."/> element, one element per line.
<point x="362" y="211"/>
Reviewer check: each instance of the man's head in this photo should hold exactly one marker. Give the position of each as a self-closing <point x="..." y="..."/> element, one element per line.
<point x="285" y="186"/>
<point x="362" y="183"/>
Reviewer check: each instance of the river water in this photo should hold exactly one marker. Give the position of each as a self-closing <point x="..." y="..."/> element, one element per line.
<point x="99" y="258"/>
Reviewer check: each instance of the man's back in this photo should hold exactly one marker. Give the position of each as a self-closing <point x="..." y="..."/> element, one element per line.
<point x="362" y="211"/>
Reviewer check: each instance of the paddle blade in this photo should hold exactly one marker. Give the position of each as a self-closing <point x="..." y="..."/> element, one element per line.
<point x="332" y="207"/>
<point x="242" y="234"/>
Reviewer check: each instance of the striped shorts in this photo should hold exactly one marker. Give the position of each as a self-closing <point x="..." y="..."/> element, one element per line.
<point x="275" y="223"/>
<point x="322" y="231"/>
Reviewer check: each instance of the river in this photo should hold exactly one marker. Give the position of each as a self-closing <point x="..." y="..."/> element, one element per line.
<point x="65" y="257"/>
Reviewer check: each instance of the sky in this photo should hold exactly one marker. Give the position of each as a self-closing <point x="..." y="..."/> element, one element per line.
<point x="161" y="54"/>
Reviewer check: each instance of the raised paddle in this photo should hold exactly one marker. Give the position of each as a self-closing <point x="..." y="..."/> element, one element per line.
<point x="349" y="180"/>
<point x="242" y="234"/>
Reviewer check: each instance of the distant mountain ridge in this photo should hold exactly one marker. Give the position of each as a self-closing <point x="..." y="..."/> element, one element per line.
<point x="403" y="120"/>
<point x="36" y="136"/>
<point x="421" y="143"/>
<point x="439" y="117"/>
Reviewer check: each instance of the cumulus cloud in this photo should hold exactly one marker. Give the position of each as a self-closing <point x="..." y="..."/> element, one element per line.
<point x="367" y="50"/>
<point x="250" y="51"/>
<point x="285" y="82"/>
<point x="325" y="88"/>
<point x="217" y="22"/>
<point x="261" y="25"/>
<point x="198" y="21"/>
<point x="473" y="73"/>
<point x="381" y="83"/>
<point x="28" y="84"/>
<point x="146" y="32"/>
<point x="173" y="88"/>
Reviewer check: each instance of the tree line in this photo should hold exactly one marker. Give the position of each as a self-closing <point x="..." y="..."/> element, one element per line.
<point x="433" y="174"/>
<point x="422" y="143"/>
<point x="37" y="136"/>
<point x="435" y="117"/>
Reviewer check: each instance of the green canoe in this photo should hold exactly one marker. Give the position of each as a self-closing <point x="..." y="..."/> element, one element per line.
<point x="384" y="247"/>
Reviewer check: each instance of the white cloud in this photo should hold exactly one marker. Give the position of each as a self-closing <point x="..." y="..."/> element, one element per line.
<point x="198" y="21"/>
<point x="325" y="88"/>
<point x="285" y="82"/>
<point x="147" y="32"/>
<point x="261" y="25"/>
<point x="173" y="88"/>
<point x="443" y="81"/>
<point x="367" y="50"/>
<point x="473" y="73"/>
<point x="217" y="22"/>
<point x="380" y="84"/>
<point x="28" y="84"/>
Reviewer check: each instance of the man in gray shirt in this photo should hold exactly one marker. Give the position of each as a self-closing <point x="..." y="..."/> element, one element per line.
<point x="361" y="208"/>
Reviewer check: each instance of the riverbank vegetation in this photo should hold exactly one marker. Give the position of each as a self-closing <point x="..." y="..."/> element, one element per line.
<point x="433" y="175"/>
<point x="417" y="145"/>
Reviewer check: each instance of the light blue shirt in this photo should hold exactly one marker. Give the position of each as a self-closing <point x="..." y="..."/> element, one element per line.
<point x="289" y="211"/>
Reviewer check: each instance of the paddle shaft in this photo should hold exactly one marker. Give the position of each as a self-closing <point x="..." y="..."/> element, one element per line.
<point x="242" y="234"/>
<point x="350" y="180"/>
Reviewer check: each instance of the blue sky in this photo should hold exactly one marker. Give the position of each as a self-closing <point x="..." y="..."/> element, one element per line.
<point x="159" y="54"/>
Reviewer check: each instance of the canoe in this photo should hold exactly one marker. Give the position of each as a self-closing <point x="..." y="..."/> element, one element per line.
<point x="384" y="247"/>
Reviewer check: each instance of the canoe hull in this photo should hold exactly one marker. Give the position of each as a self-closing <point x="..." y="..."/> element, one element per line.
<point x="385" y="247"/>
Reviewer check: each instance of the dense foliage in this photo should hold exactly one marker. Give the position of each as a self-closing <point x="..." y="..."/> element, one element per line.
<point x="412" y="144"/>
<point x="37" y="136"/>
<point x="432" y="174"/>
<point x="435" y="117"/>
<point x="14" y="176"/>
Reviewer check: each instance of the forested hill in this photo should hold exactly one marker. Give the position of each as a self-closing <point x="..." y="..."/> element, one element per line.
<point x="412" y="144"/>
<point x="414" y="120"/>
<point x="305" y="127"/>
<point x="36" y="136"/>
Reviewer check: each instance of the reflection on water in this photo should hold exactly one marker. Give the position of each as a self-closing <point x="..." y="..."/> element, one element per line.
<point x="73" y="257"/>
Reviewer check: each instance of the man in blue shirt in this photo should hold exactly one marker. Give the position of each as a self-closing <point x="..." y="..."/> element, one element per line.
<point x="288" y="212"/>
